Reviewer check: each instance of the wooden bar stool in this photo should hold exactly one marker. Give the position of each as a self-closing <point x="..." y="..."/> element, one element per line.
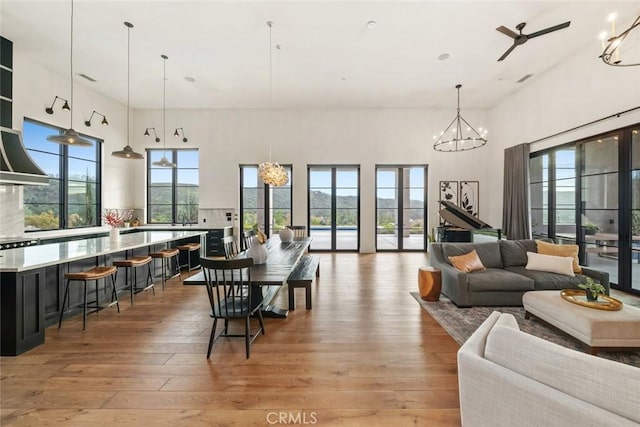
<point x="164" y="255"/>
<point x="95" y="274"/>
<point x="133" y="263"/>
<point x="187" y="249"/>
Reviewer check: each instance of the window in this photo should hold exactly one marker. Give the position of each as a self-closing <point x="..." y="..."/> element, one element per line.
<point x="334" y="207"/>
<point x="173" y="193"/>
<point x="72" y="198"/>
<point x="586" y="193"/>
<point x="401" y="208"/>
<point x="261" y="204"/>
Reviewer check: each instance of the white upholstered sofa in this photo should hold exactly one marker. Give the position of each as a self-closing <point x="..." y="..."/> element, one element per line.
<point x="510" y="378"/>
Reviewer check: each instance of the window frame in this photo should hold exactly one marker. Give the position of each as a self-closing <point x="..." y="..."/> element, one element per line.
<point x="64" y="179"/>
<point x="172" y="155"/>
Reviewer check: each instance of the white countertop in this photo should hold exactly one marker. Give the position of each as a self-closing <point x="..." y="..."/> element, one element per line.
<point x="32" y="257"/>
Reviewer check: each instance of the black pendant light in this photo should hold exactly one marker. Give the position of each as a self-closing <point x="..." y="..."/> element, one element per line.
<point x="164" y="162"/>
<point x="70" y="136"/>
<point x="127" y="152"/>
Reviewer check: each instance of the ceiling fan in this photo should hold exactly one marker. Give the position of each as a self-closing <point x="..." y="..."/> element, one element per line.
<point x="519" y="39"/>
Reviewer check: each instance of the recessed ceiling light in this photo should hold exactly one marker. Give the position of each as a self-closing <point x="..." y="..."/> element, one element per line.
<point x="190" y="79"/>
<point x="372" y="25"/>
<point x="443" y="56"/>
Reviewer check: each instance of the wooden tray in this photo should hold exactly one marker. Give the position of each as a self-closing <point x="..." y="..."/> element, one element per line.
<point x="579" y="297"/>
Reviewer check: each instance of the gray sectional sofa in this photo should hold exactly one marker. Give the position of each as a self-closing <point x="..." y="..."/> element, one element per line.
<point x="505" y="278"/>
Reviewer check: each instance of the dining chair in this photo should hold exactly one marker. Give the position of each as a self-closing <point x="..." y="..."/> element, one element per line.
<point x="246" y="238"/>
<point x="229" y="286"/>
<point x="299" y="231"/>
<point x="230" y="246"/>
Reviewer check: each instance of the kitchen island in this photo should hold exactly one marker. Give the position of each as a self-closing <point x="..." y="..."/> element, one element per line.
<point x="32" y="279"/>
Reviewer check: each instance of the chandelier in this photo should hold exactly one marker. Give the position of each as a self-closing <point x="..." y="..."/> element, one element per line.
<point x="611" y="44"/>
<point x="273" y="174"/>
<point x="269" y="172"/>
<point x="459" y="135"/>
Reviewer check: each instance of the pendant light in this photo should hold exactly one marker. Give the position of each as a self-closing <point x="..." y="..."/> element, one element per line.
<point x="164" y="162"/>
<point x="272" y="173"/>
<point x="127" y="152"/>
<point x="70" y="136"/>
<point x="463" y="136"/>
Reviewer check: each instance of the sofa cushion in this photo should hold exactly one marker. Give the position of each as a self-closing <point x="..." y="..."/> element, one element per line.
<point x="489" y="253"/>
<point x="560" y="250"/>
<point x="545" y="280"/>
<point x="497" y="279"/>
<point x="467" y="262"/>
<point x="551" y="263"/>
<point x="514" y="252"/>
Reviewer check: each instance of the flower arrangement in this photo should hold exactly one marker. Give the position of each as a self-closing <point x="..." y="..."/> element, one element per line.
<point x="261" y="237"/>
<point x="115" y="217"/>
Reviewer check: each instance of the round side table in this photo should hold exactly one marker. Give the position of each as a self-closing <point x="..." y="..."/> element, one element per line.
<point x="429" y="283"/>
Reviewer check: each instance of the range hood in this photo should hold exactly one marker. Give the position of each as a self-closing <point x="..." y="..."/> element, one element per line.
<point x="16" y="166"/>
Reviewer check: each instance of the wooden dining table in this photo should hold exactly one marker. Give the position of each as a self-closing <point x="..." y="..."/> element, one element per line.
<point x="269" y="277"/>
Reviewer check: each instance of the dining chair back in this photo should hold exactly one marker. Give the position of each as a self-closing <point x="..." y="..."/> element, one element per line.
<point x="230" y="247"/>
<point x="299" y="231"/>
<point x="229" y="289"/>
<point x="246" y="238"/>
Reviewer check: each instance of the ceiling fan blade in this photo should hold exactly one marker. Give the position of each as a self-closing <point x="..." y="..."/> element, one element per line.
<point x="549" y="30"/>
<point x="507" y="32"/>
<point x="504" y="55"/>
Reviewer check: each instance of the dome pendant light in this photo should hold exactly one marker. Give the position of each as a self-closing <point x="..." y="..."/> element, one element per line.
<point x="127" y="152"/>
<point x="164" y="162"/>
<point x="70" y="136"/>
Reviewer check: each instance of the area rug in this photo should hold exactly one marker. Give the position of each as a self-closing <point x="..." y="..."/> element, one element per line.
<point x="460" y="323"/>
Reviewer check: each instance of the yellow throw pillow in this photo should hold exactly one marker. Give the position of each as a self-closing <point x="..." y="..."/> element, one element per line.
<point x="560" y="250"/>
<point x="467" y="262"/>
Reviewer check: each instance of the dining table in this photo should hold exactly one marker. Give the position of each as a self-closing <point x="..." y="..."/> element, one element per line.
<point x="268" y="278"/>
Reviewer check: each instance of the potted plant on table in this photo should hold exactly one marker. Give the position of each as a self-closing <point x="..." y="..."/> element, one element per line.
<point x="590" y="229"/>
<point x="592" y="289"/>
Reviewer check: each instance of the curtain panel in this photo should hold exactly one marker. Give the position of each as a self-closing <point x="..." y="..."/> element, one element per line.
<point x="515" y="209"/>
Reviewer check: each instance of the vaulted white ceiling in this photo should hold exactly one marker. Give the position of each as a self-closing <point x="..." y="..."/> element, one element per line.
<point x="329" y="58"/>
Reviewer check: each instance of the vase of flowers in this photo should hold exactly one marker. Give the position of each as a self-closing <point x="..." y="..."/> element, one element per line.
<point x="114" y="218"/>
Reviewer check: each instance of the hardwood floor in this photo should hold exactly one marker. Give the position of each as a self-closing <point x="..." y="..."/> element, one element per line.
<point x="367" y="354"/>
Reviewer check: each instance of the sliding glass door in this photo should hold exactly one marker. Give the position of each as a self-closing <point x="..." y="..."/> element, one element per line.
<point x="634" y="213"/>
<point x="334" y="207"/>
<point x="401" y="208"/>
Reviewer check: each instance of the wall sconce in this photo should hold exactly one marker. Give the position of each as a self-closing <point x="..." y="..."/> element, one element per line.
<point x="146" y="133"/>
<point x="65" y="106"/>
<point x="177" y="134"/>
<point x="104" y="119"/>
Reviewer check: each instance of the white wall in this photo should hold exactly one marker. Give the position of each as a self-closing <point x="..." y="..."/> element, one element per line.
<point x="227" y="138"/>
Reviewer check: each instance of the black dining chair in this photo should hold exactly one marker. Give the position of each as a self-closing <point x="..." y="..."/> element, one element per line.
<point x="229" y="286"/>
<point x="246" y="238"/>
<point x="230" y="246"/>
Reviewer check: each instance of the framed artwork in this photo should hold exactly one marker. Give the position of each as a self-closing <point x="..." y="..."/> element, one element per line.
<point x="449" y="191"/>
<point x="469" y="196"/>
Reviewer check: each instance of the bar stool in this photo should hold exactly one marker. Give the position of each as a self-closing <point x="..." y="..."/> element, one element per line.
<point x="133" y="263"/>
<point x="95" y="274"/>
<point x="164" y="256"/>
<point x="188" y="248"/>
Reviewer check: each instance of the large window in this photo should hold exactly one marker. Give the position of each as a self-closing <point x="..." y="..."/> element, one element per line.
<point x="263" y="205"/>
<point x="334" y="207"/>
<point x="587" y="193"/>
<point x="72" y="198"/>
<point x="173" y="192"/>
<point x="401" y="208"/>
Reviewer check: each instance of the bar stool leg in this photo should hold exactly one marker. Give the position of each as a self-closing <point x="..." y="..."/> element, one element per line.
<point x="150" y="279"/>
<point x="114" y="294"/>
<point x="84" y="307"/>
<point x="64" y="300"/>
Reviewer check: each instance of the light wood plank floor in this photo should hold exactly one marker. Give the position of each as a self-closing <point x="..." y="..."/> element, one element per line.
<point x="367" y="354"/>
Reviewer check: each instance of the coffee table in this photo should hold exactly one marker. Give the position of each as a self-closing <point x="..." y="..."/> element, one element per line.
<point x="598" y="329"/>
